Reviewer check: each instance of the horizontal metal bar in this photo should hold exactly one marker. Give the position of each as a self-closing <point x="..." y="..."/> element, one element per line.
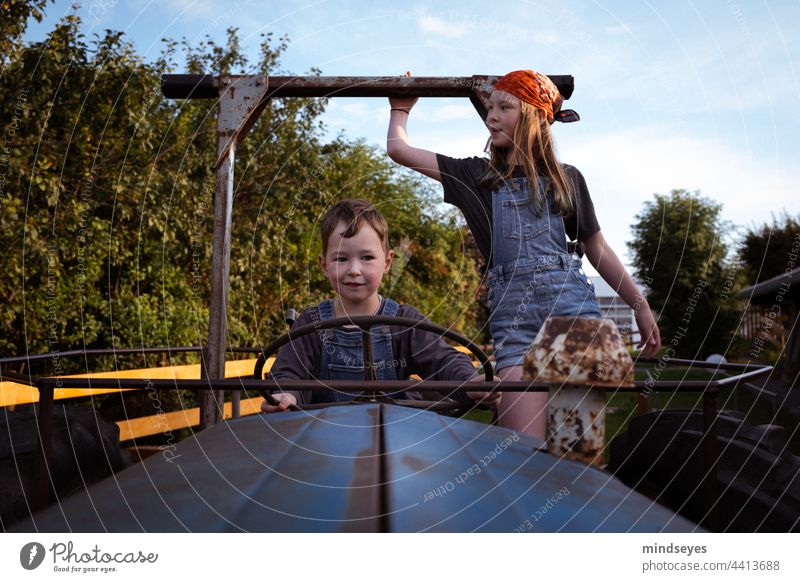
<point x="250" y="384"/>
<point x="18" y="378"/>
<point x="190" y="86"/>
<point x="117" y="352"/>
<point x="757" y="369"/>
<point x="702" y="364"/>
<point x="744" y="376"/>
<point x="664" y="385"/>
<point x="207" y="87"/>
<point x="348" y="385"/>
<point x="747" y="372"/>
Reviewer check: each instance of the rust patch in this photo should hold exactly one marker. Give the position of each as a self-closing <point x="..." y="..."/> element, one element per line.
<point x="364" y="508"/>
<point x="414" y="463"/>
<point x="580" y="351"/>
<point x="576" y="423"/>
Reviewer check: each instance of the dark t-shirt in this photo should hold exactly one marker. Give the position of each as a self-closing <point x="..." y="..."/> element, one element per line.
<point x="464" y="187"/>
<point x="415" y="352"/>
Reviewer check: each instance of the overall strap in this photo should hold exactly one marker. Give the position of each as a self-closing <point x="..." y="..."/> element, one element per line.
<point x="382" y="343"/>
<point x="325" y="310"/>
<point x="390" y="307"/>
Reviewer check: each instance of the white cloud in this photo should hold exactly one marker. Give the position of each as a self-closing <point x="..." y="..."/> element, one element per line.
<point x="195" y="9"/>
<point x="446" y="112"/>
<point x="619" y="29"/>
<point x="546" y="38"/>
<point x="443" y="28"/>
<point x="625" y="168"/>
<point x="352" y="109"/>
<point x="369" y="118"/>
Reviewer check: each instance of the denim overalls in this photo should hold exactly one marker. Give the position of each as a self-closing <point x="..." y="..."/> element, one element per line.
<point x="343" y="356"/>
<point x="534" y="275"/>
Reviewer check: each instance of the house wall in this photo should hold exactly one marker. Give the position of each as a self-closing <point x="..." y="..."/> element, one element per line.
<point x="613" y="307"/>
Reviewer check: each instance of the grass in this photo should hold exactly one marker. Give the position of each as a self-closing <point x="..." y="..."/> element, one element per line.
<point x="621" y="406"/>
<point x="757" y="409"/>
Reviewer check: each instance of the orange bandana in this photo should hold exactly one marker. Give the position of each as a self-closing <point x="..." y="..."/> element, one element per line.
<point x="535" y="89"/>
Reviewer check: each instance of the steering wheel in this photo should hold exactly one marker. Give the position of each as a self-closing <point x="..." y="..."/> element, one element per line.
<point x="365" y="323"/>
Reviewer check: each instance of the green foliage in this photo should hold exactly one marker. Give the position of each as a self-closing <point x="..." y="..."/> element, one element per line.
<point x="278" y="241"/>
<point x="107" y="211"/>
<point x="765" y="250"/>
<point x="14" y="17"/>
<point x="679" y="251"/>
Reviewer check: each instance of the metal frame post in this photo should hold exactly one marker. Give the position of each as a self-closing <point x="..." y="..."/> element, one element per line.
<point x="44" y="448"/>
<point x="241" y="100"/>
<point x="238" y="105"/>
<point x="710" y="459"/>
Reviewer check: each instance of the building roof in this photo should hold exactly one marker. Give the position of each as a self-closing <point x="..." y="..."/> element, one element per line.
<point x="601" y="288"/>
<point x="770" y="285"/>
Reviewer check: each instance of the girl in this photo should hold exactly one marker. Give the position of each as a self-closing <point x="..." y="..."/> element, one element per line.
<point x="522" y="205"/>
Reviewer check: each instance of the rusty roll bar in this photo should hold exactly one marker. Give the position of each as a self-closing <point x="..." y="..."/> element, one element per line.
<point x="209" y="86"/>
<point x="240" y="100"/>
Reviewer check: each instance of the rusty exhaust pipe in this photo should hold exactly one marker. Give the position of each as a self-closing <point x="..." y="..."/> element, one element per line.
<point x="579" y="358"/>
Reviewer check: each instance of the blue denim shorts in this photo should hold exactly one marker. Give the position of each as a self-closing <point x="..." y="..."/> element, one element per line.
<point x="523" y="294"/>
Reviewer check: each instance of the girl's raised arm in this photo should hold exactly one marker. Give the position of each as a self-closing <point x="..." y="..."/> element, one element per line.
<point x="607" y="263"/>
<point x="397" y="145"/>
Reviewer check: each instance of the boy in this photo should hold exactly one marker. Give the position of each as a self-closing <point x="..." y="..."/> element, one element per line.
<point x="355" y="257"/>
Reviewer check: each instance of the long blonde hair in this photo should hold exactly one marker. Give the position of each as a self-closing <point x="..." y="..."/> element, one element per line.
<point x="535" y="151"/>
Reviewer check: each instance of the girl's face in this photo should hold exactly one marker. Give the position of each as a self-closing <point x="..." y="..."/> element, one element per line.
<point x="503" y="116"/>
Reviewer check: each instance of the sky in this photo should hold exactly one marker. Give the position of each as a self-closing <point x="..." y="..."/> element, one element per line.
<point x="702" y="96"/>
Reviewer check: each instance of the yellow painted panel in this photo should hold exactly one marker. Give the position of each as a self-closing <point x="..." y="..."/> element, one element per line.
<point x="12" y="393"/>
<point x="169" y="421"/>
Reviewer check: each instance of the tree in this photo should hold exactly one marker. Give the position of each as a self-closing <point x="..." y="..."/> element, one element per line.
<point x="106" y="195"/>
<point x="106" y="208"/>
<point x="679" y="251"/>
<point x="15" y="17"/>
<point x="765" y="249"/>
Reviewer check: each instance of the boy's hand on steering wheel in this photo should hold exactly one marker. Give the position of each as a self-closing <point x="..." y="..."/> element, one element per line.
<point x="284" y="402"/>
<point x="490" y="399"/>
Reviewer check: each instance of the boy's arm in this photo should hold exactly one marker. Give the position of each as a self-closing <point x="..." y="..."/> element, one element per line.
<point x="398" y="147"/>
<point x="605" y="260"/>
<point x="284" y="400"/>
<point x="299" y="359"/>
<point x="434" y="359"/>
<point x="430" y="356"/>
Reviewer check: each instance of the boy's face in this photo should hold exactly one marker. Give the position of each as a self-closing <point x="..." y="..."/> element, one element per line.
<point x="355" y="266"/>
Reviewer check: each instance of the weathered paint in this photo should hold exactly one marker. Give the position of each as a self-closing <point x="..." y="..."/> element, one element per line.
<point x="576" y="423"/>
<point x="238" y="108"/>
<point x="367" y="468"/>
<point x="579" y="357"/>
<point x="206" y="86"/>
<point x="477" y="87"/>
<point x="582" y="351"/>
